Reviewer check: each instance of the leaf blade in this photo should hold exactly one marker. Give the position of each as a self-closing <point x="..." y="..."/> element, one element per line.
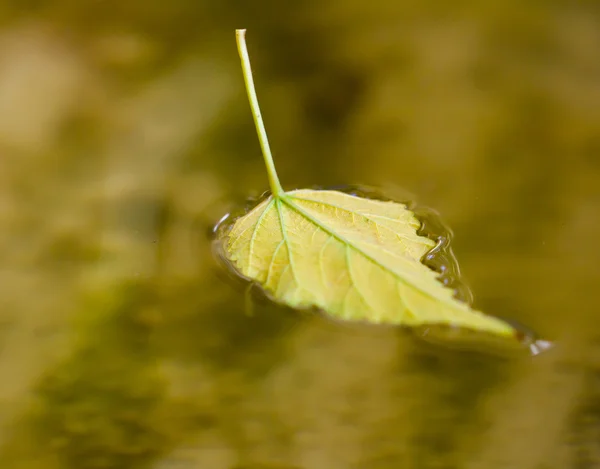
<point x="373" y="245"/>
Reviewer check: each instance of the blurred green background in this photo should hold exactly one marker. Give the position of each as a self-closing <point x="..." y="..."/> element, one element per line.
<point x="125" y="134"/>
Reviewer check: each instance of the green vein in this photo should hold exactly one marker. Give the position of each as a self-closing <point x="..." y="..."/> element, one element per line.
<point x="409" y="308"/>
<point x="233" y="240"/>
<point x="278" y="202"/>
<point x="320" y="259"/>
<point x="402" y="302"/>
<point x="354" y="282"/>
<point x="285" y="269"/>
<point x="286" y="200"/>
<point x="269" y="270"/>
<point x="346" y="314"/>
<point x="339" y="207"/>
<point x="253" y="236"/>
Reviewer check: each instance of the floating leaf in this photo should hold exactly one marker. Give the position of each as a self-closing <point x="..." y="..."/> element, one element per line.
<point x="354" y="258"/>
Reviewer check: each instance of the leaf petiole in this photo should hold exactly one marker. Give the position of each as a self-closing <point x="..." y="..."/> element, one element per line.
<point x="276" y="189"/>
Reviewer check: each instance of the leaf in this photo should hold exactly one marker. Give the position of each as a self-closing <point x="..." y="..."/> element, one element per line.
<point x="354" y="258"/>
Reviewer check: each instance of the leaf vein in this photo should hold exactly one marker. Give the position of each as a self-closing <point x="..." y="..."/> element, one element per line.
<point x="309" y="217"/>
<point x="286" y="239"/>
<point x="354" y="283"/>
<point x="320" y="259"/>
<point x="272" y="261"/>
<point x="354" y="213"/>
<point x="255" y="231"/>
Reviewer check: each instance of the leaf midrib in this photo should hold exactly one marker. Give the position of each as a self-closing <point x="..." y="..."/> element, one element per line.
<point x="286" y="199"/>
<point x="366" y="217"/>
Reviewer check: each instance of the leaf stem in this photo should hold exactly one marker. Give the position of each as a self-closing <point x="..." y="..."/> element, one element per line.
<point x="276" y="189"/>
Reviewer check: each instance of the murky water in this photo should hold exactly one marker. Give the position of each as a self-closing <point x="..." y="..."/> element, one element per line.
<point x="125" y="135"/>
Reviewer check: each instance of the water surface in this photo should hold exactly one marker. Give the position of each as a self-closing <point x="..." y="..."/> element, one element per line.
<point x="125" y="135"/>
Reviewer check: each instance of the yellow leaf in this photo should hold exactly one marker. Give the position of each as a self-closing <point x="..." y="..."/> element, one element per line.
<point x="353" y="258"/>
